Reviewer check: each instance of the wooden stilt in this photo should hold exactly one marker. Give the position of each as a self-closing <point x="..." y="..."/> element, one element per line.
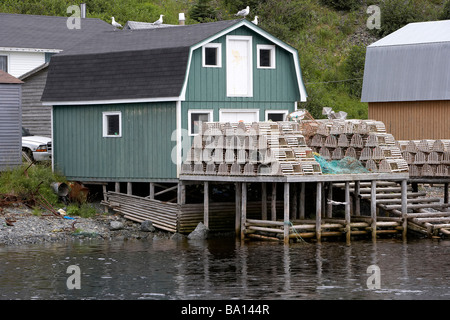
<point x="243" y="209"/>
<point x="446" y="200"/>
<point x="347" y="212"/>
<point x="318" y="210"/>
<point x="330" y="197"/>
<point x="238" y="187"/>
<point x="105" y="199"/>
<point x="274" y="202"/>
<point x="117" y="187"/>
<point x="206" y="204"/>
<point x="129" y="188"/>
<point x="404" y="207"/>
<point x="293" y="210"/>
<point x="286" y="224"/>
<point x="152" y="190"/>
<point x="302" y="200"/>
<point x="357" y="199"/>
<point x="373" y="208"/>
<point x="263" y="201"/>
<point x="181" y="195"/>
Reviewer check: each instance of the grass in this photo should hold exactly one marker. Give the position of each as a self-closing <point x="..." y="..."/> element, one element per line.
<point x="29" y="184"/>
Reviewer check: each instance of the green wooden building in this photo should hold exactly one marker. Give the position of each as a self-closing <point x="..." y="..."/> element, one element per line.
<point x="126" y="104"/>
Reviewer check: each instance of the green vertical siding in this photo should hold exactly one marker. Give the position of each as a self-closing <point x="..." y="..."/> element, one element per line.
<point x="269" y="85"/>
<point x="142" y="153"/>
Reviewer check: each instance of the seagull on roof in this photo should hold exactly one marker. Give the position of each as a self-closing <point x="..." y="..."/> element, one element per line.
<point x="255" y="21"/>
<point x="160" y="20"/>
<point x="243" y="12"/>
<point x="115" y="24"/>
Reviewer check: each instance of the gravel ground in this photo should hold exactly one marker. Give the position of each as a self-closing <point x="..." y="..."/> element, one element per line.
<point x="19" y="226"/>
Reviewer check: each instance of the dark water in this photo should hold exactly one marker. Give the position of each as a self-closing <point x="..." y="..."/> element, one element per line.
<point x="225" y="269"/>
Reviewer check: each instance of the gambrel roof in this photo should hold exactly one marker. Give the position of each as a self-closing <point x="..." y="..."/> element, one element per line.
<point x="136" y="65"/>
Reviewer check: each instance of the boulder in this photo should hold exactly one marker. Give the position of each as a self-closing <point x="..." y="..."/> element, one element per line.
<point x="115" y="225"/>
<point x="147" y="226"/>
<point x="200" y="232"/>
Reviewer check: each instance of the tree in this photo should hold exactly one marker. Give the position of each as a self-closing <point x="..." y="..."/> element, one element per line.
<point x="202" y="11"/>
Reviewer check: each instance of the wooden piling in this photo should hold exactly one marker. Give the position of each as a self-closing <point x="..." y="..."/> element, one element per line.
<point x="318" y="210"/>
<point x="347" y="212"/>
<point x="206" y="204"/>
<point x="404" y="207"/>
<point x="238" y="201"/>
<point x="263" y="200"/>
<point x="302" y="200"/>
<point x="373" y="208"/>
<point x="243" y="209"/>
<point x="273" y="210"/>
<point x="286" y="213"/>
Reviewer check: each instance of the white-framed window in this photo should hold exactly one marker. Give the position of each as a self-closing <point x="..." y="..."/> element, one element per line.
<point x="212" y="55"/>
<point x="265" y="56"/>
<point x="196" y="118"/>
<point x="276" y="115"/>
<point x="4" y="63"/>
<point x="112" y="124"/>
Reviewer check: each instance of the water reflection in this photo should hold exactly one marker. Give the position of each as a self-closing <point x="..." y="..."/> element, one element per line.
<point x="226" y="269"/>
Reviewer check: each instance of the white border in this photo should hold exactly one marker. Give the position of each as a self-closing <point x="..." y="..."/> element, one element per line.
<point x="249" y="41"/>
<point x="272" y="55"/>
<point x="218" y="46"/>
<point x="105" y="124"/>
<point x="191" y="111"/>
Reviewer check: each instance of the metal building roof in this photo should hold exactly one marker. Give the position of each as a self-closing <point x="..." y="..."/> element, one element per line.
<point x="410" y="64"/>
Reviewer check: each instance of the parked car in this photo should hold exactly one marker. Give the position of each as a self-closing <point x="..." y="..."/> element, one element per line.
<point x="36" y="147"/>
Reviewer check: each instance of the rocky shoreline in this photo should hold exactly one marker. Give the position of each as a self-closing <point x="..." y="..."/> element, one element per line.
<point x="19" y="226"/>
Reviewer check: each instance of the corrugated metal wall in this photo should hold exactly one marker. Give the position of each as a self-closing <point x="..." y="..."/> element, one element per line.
<point x="143" y="153"/>
<point x="413" y="120"/>
<point x="35" y="116"/>
<point x="10" y="126"/>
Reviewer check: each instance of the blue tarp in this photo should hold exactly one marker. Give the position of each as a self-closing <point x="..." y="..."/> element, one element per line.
<point x="346" y="165"/>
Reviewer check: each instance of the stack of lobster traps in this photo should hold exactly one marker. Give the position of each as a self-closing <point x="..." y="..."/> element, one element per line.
<point x="260" y="148"/>
<point x="426" y="158"/>
<point x="364" y="140"/>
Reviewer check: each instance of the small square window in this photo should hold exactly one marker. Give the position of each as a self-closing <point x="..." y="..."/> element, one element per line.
<point x="112" y="124"/>
<point x="212" y="56"/>
<point x="196" y="118"/>
<point x="276" y="115"/>
<point x="4" y="63"/>
<point x="266" y="56"/>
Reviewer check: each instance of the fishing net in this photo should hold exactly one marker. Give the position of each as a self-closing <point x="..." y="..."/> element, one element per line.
<point x="346" y="165"/>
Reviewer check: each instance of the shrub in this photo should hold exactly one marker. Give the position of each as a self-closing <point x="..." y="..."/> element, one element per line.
<point x="354" y="69"/>
<point x="346" y="5"/>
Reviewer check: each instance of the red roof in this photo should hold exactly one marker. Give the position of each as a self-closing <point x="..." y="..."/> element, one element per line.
<point x="7" y="78"/>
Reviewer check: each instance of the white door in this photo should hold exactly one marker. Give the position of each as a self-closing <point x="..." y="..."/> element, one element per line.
<point x="234" y="116"/>
<point x="239" y="66"/>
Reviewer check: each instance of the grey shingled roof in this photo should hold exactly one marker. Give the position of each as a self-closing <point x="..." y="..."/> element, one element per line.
<point x="410" y="64"/>
<point x="127" y="64"/>
<point x="45" y="32"/>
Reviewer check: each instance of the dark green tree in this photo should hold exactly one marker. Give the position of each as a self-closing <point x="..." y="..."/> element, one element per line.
<point x="202" y="11"/>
